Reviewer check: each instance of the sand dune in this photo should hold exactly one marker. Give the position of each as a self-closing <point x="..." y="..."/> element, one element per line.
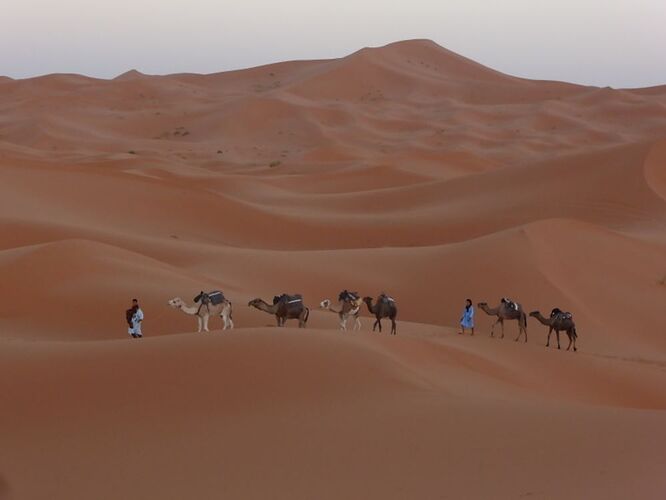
<point x="407" y="169"/>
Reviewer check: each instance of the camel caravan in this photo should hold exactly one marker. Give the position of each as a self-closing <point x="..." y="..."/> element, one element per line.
<point x="349" y="304"/>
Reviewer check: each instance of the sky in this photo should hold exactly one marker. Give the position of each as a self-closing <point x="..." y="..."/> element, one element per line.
<point x="617" y="43"/>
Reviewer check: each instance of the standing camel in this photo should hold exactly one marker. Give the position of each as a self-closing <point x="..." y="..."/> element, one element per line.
<point x="284" y="307"/>
<point x="204" y="311"/>
<point x="384" y="308"/>
<point x="345" y="309"/>
<point x="560" y="322"/>
<point x="506" y="310"/>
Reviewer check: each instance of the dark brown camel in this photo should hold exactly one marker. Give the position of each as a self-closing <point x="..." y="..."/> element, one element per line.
<point x="559" y="321"/>
<point x="506" y="311"/>
<point x="384" y="308"/>
<point x="284" y="307"/>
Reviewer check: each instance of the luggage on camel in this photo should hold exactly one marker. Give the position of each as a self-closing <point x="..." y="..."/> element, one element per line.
<point x="347" y="296"/>
<point x="510" y="303"/>
<point x="289" y="299"/>
<point x="386" y="299"/>
<point x="559" y="312"/>
<point x="213" y="298"/>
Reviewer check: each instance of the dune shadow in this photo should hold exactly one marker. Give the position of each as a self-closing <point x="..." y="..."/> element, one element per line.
<point x="4" y="488"/>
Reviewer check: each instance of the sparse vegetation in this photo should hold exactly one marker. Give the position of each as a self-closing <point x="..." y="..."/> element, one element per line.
<point x="132" y="152"/>
<point x="275" y="163"/>
<point x="662" y="281"/>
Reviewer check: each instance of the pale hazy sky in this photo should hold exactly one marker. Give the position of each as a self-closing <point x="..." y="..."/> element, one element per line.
<point x="621" y="43"/>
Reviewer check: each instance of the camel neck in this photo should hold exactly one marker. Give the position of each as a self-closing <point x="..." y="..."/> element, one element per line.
<point x="267" y="308"/>
<point x="189" y="310"/>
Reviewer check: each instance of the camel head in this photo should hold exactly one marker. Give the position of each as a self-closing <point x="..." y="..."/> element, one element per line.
<point x="176" y="303"/>
<point x="325" y="304"/>
<point x="254" y="303"/>
<point x="367" y="300"/>
<point x="482" y="304"/>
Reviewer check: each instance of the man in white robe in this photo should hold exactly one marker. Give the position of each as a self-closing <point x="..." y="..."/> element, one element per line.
<point x="137" y="318"/>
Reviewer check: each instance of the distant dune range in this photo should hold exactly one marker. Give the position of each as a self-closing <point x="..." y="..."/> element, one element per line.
<point x="407" y="169"/>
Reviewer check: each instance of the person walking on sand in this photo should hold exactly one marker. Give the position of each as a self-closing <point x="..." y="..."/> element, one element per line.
<point x="135" y="317"/>
<point x="467" y="319"/>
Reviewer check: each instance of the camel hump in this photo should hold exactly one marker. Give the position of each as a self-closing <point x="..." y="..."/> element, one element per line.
<point x="385" y="298"/>
<point x="510" y="303"/>
<point x="289" y="299"/>
<point x="562" y="314"/>
<point x="347" y="296"/>
<point x="215" y="297"/>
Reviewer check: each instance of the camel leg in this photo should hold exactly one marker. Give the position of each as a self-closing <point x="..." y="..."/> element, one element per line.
<point x="492" y="328"/>
<point x="199" y="323"/>
<point x="205" y="322"/>
<point x="570" y="339"/>
<point x="557" y="332"/>
<point x="550" y="330"/>
<point x="343" y="323"/>
<point x="502" y="324"/>
<point x="521" y="330"/>
<point x="357" y="323"/>
<point x="393" y="327"/>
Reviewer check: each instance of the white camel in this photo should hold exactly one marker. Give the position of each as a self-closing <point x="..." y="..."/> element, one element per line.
<point x="204" y="311"/>
<point x="344" y="311"/>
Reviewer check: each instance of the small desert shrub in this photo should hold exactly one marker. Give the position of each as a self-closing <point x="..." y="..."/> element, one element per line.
<point x="275" y="163"/>
<point x="132" y="152"/>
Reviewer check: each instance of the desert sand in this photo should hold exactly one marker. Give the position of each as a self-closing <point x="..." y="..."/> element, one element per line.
<point x="407" y="169"/>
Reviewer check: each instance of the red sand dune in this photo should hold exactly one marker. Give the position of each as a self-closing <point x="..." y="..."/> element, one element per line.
<point x="405" y="168"/>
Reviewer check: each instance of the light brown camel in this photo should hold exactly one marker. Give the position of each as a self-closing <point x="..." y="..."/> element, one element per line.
<point x="385" y="307"/>
<point x="284" y="307"/>
<point x="506" y="311"/>
<point x="559" y="321"/>
<point x="204" y="311"/>
<point x="344" y="310"/>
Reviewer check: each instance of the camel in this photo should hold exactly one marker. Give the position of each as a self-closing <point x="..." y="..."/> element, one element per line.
<point x="560" y="322"/>
<point x="204" y="311"/>
<point x="384" y="308"/>
<point x="505" y="311"/>
<point x="345" y="309"/>
<point x="284" y="307"/>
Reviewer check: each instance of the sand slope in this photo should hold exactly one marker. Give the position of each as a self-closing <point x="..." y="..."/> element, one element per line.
<point x="404" y="168"/>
